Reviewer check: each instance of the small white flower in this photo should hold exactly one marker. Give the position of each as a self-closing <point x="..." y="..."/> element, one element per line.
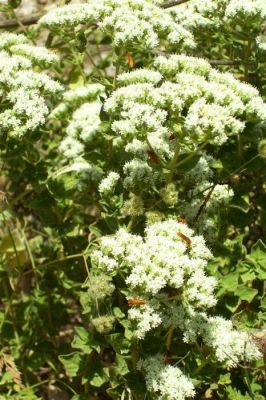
<point x="108" y="184"/>
<point x="38" y="55"/>
<point x="27" y="90"/>
<point x="231" y="346"/>
<point x="165" y="381"/>
<point x="8" y="39"/>
<point x="128" y="22"/>
<point x="146" y="317"/>
<point x="210" y="106"/>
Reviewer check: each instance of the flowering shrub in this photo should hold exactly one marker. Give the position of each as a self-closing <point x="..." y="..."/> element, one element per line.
<point x="133" y="201"/>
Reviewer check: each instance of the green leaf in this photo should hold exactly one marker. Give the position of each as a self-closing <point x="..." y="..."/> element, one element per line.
<point x="258" y="257"/>
<point x="71" y="362"/>
<point x="74" y="167"/>
<point x="258" y="253"/>
<point x="100" y="377"/>
<point x="230" y="282"/>
<point x="225" y="379"/>
<point x="119" y="343"/>
<point x="79" y="397"/>
<point x="232" y="303"/>
<point x="118" y="313"/>
<point x="234" y="394"/>
<point x="241" y="203"/>
<point x="85" y="300"/>
<point x="247" y="273"/>
<point x="263" y="302"/>
<point x="13" y="247"/>
<point x="116" y="390"/>
<point x="121" y="366"/>
<point x="246" y="293"/>
<point x="83" y="340"/>
<point x="95" y="230"/>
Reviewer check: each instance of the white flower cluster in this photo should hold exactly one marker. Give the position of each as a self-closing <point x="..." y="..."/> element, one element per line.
<point x="170" y="255"/>
<point x="146" y="317"/>
<point x="82" y="129"/>
<point x="219" y="195"/>
<point x="237" y="10"/>
<point x="184" y="99"/>
<point x="165" y="381"/>
<point x="38" y="55"/>
<point x="198" y="14"/>
<point x="85" y="121"/>
<point x="20" y="45"/>
<point x="83" y="106"/>
<point x="167" y="287"/>
<point x="24" y="90"/>
<point x="71" y="147"/>
<point x="128" y="22"/>
<point x="229" y="345"/>
<point x="108" y="184"/>
<point x="8" y="39"/>
<point x="74" y="98"/>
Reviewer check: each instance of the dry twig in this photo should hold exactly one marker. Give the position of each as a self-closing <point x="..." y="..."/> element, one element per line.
<point x="170" y="4"/>
<point x="9" y="363"/>
<point x="13" y="23"/>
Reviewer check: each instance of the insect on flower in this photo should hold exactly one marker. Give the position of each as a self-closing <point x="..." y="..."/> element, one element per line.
<point x="153" y="157"/>
<point x="136" y="302"/>
<point x="184" y="238"/>
<point x="182" y="220"/>
<point x="172" y="136"/>
<point x="53" y="51"/>
<point x="168" y="360"/>
<point x="130" y="60"/>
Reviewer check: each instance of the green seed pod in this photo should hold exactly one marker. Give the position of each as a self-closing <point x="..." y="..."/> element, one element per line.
<point x="100" y="287"/>
<point x="262" y="148"/>
<point x="134" y="206"/>
<point x="153" y="216"/>
<point x="103" y="324"/>
<point x="169" y="194"/>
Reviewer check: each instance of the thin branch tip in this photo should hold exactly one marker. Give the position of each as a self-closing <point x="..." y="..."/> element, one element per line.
<point x="170" y="4"/>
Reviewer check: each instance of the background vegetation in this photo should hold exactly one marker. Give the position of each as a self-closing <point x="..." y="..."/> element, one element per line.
<point x="52" y="216"/>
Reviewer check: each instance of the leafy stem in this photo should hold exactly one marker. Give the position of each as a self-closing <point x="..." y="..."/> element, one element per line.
<point x="173" y="164"/>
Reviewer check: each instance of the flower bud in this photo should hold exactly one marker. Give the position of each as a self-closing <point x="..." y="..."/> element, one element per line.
<point x="262" y="148"/>
<point x="103" y="324"/>
<point x="153" y="216"/>
<point x="134" y="206"/>
<point x="101" y="287"/>
<point x="169" y="194"/>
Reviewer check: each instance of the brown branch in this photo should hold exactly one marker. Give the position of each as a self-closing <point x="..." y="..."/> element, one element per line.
<point x="225" y="62"/>
<point x="203" y="205"/>
<point x="172" y="3"/>
<point x="12" y="23"/>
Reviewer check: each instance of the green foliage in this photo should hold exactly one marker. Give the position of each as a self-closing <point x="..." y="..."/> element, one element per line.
<point x="63" y="320"/>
